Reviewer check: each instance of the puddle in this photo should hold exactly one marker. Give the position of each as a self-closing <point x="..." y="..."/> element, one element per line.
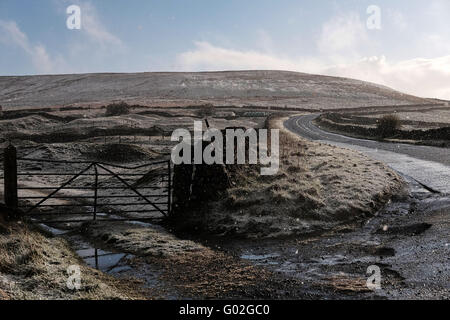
<point x="117" y="264"/>
<point x="105" y="261"/>
<point x="256" y="257"/>
<point x="330" y="260"/>
<point x="264" y="259"/>
<point x="96" y="258"/>
<point x="53" y="231"/>
<point x="120" y="265"/>
<point x="120" y="269"/>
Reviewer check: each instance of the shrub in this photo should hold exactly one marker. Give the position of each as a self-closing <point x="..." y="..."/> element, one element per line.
<point x="117" y="109"/>
<point x="388" y="125"/>
<point x="206" y="110"/>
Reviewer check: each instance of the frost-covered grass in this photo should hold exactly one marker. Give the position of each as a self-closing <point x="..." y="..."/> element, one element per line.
<point x="34" y="267"/>
<point x="317" y="187"/>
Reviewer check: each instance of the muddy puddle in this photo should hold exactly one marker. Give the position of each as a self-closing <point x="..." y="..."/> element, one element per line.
<point x="124" y="265"/>
<point x="118" y="264"/>
<point x="97" y="258"/>
<point x="105" y="261"/>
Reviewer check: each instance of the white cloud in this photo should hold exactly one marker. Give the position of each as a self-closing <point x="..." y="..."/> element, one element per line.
<point x="436" y="42"/>
<point x="421" y="77"/>
<point x="342" y="36"/>
<point x="10" y="34"/>
<point x="94" y="28"/>
<point x="342" y="49"/>
<point x="398" y="19"/>
<point x="96" y="42"/>
<point x="209" y="57"/>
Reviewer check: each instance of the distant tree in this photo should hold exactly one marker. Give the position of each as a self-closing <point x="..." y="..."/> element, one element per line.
<point x="117" y="109"/>
<point x="388" y="124"/>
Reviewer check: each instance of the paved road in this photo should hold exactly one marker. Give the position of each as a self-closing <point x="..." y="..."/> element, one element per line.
<point x="428" y="165"/>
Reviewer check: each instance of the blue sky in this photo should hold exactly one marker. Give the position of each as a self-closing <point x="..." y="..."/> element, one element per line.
<point x="411" y="51"/>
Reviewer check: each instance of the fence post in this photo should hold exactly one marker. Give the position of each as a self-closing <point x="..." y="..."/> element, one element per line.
<point x="10" y="179"/>
<point x="95" y="192"/>
<point x="169" y="200"/>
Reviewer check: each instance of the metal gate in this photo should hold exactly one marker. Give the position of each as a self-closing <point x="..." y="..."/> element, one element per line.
<point x="59" y="191"/>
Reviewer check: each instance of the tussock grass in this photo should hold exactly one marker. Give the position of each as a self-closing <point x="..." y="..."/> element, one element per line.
<point x="139" y="240"/>
<point x="33" y="266"/>
<point x="206" y="110"/>
<point x="120" y="153"/>
<point x="388" y="125"/>
<point x="117" y="109"/>
<point x="317" y="187"/>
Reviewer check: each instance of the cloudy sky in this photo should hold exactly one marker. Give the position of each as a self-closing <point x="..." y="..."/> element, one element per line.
<point x="404" y="44"/>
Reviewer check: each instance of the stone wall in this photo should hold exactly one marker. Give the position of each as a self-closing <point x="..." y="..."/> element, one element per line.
<point x="196" y="185"/>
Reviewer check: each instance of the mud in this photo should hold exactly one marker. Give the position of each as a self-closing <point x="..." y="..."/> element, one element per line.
<point x="408" y="240"/>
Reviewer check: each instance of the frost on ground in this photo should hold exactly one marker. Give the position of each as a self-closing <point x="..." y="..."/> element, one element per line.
<point x="34" y="267"/>
<point x="239" y="88"/>
<point x="317" y="187"/>
<point x="143" y="240"/>
<point x="189" y="269"/>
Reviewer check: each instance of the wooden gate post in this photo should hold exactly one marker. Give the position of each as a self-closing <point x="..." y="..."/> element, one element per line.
<point x="169" y="189"/>
<point x="10" y="179"/>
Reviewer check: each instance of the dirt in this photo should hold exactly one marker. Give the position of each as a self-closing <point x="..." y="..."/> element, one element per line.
<point x="408" y="240"/>
<point x="402" y="239"/>
<point x="174" y="268"/>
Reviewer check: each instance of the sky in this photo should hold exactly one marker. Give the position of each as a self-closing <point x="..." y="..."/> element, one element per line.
<point x="404" y="44"/>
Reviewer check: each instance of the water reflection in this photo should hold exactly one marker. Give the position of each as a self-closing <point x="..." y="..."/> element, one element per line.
<point x="103" y="260"/>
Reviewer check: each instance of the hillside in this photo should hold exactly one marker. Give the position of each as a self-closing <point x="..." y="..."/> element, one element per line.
<point x="262" y="88"/>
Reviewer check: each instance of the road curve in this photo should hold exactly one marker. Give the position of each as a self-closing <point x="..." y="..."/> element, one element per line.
<point x="428" y="165"/>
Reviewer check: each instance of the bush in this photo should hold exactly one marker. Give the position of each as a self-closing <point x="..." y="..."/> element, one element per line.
<point x="117" y="109"/>
<point x="206" y="110"/>
<point x="388" y="125"/>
